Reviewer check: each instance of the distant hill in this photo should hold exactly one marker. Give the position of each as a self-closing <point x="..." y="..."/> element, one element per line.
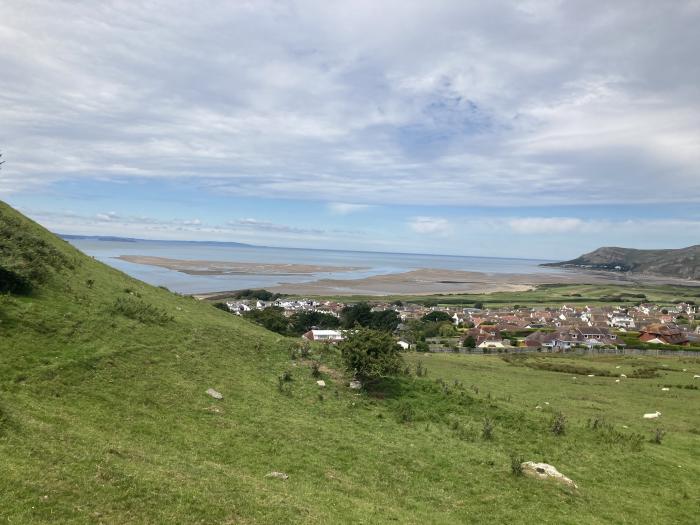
<point x="109" y="238"/>
<point x="683" y="263"/>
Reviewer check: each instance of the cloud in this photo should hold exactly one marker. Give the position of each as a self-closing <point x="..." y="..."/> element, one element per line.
<point x="311" y="100"/>
<point x="430" y="225"/>
<point x="545" y="225"/>
<point x="254" y="224"/>
<point x="345" y="208"/>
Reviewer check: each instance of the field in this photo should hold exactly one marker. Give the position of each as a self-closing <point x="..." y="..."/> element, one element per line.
<point x="104" y="418"/>
<point x="550" y="295"/>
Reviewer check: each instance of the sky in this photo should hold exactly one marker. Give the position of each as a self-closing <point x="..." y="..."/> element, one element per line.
<point x="534" y="128"/>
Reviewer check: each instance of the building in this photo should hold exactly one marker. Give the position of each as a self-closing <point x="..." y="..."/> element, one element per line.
<point x="663" y="335"/>
<point x="324" y="336"/>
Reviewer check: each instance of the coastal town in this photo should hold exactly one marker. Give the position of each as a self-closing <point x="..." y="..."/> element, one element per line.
<point x="507" y="328"/>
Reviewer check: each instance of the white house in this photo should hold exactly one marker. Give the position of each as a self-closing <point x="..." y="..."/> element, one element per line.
<point x="326" y="336"/>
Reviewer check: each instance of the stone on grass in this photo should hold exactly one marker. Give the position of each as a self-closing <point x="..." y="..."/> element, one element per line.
<point x="355" y="384"/>
<point x="213" y="393"/>
<point x="546" y="471"/>
<point x="278" y="475"/>
<point x="321" y="383"/>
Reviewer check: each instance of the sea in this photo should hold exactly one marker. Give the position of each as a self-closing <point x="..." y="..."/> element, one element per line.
<point x="371" y="263"/>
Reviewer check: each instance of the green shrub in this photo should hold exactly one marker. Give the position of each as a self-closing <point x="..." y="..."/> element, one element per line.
<point x="371" y="354"/>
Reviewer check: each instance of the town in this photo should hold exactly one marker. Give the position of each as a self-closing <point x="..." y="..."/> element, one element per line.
<point x="504" y="328"/>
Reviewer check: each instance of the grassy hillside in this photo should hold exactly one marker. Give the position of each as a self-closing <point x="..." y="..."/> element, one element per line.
<point x="104" y="419"/>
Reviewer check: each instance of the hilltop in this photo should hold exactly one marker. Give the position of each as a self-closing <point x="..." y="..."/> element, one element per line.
<point x="104" y="418"/>
<point x="681" y="263"/>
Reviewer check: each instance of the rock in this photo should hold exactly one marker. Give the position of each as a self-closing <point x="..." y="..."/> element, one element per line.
<point x="538" y="407"/>
<point x="617" y="380"/>
<point x="623" y="375"/>
<point x="355" y="384"/>
<point x="665" y="389"/>
<point x="213" y="393"/>
<point x="321" y="383"/>
<point x="591" y="375"/>
<point x="546" y="471"/>
<point x="278" y="475"/>
<point x="696" y="377"/>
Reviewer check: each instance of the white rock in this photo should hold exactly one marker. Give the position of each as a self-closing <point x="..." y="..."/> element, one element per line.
<point x="278" y="475"/>
<point x="665" y="389"/>
<point x="538" y="407"/>
<point x="617" y="380"/>
<point x="321" y="383"/>
<point x="573" y="377"/>
<point x="652" y="415"/>
<point x="546" y="471"/>
<point x="623" y="375"/>
<point x="685" y="370"/>
<point x="617" y="367"/>
<point x="696" y="377"/>
<point x="355" y="384"/>
<point x="213" y="393"/>
<point x="546" y="402"/>
<point x="591" y="375"/>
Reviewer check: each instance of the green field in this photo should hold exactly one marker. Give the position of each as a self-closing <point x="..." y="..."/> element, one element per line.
<point x="548" y="295"/>
<point x="104" y="419"/>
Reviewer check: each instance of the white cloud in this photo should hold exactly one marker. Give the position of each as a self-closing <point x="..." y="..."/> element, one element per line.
<point x="544" y="225"/>
<point x="345" y="103"/>
<point x="345" y="208"/>
<point x="430" y="225"/>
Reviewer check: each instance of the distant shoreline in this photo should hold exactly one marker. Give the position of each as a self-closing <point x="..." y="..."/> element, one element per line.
<point x="427" y="281"/>
<point x="203" y="267"/>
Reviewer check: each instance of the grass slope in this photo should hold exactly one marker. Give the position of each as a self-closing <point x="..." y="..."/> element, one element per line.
<point x="104" y="419"/>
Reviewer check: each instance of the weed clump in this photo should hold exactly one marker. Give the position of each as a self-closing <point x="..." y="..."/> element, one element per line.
<point x="559" y="424"/>
<point x="487" y="429"/>
<point x="516" y="464"/>
<point x="658" y="436"/>
<point x="315" y="369"/>
<point x="141" y="311"/>
<point x="405" y="411"/>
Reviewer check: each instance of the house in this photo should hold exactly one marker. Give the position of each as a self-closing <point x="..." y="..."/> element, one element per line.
<point x="324" y="336"/>
<point x="663" y="335"/>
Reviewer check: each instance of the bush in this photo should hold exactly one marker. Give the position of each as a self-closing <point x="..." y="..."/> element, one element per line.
<point x="371" y="354"/>
<point x="315" y="369"/>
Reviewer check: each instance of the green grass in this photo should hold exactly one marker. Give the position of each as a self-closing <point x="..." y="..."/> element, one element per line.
<point x="549" y="295"/>
<point x="104" y="419"/>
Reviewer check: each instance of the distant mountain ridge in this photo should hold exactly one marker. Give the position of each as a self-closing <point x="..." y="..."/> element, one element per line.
<point x="682" y="263"/>
<point x="109" y="238"/>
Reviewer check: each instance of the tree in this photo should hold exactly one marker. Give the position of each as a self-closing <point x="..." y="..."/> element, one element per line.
<point x="302" y="322"/>
<point x="469" y="342"/>
<point x="271" y="318"/>
<point x="371" y="354"/>
<point x="436" y="317"/>
<point x="387" y="320"/>
<point x="358" y="314"/>
<point x="361" y="314"/>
